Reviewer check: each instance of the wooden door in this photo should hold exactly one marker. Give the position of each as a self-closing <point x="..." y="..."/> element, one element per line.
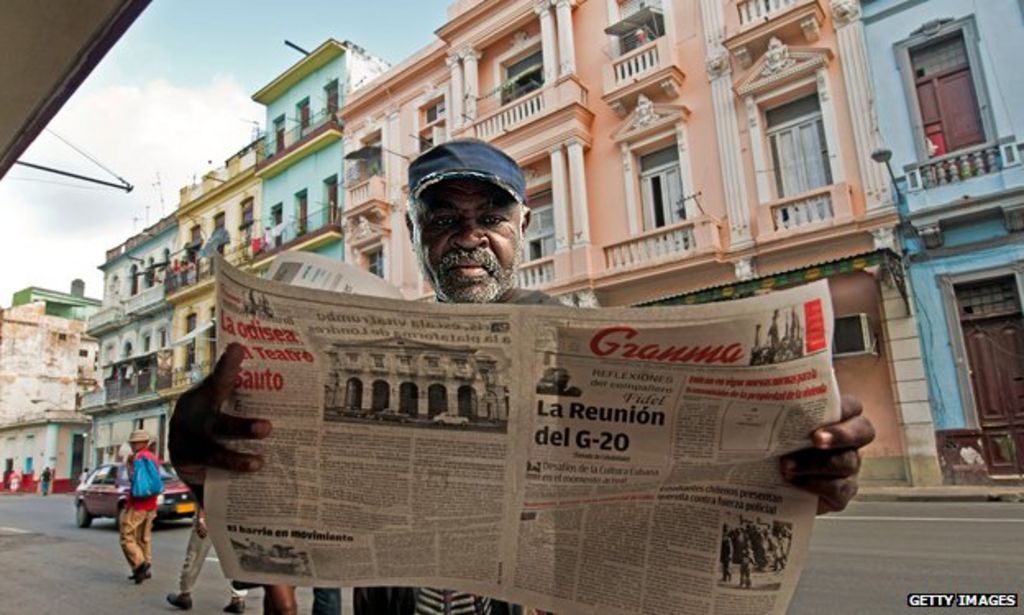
<point x="993" y="332"/>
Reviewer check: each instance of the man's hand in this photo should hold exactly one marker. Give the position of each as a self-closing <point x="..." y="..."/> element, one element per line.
<point x="198" y="427"/>
<point x="201" y="528"/>
<point x="829" y="469"/>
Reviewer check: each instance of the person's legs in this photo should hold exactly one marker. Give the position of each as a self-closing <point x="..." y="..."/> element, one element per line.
<point x="130" y="521"/>
<point x="195" y="556"/>
<point x="326" y="601"/>
<point x="146" y="535"/>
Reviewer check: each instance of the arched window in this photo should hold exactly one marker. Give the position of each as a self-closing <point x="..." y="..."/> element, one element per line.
<point x="437" y="400"/>
<point x="133" y="284"/>
<point x="381" y="395"/>
<point x="408" y="399"/>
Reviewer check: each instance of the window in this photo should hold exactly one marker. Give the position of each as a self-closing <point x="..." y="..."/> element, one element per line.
<point x="279" y="133"/>
<point x="127" y="351"/>
<point x="641" y="23"/>
<point x="276" y="220"/>
<point x="662" y="188"/>
<point x="133" y="282"/>
<point x="147" y="341"/>
<point x="149" y="273"/>
<point x="796" y="137"/>
<point x="331" y="193"/>
<point x="331" y="96"/>
<point x="302" y="113"/>
<point x="162" y="336"/>
<point x="301" y="212"/>
<point x="218" y="229"/>
<point x="375" y="262"/>
<point x="522" y="77"/>
<point x="83" y="353"/>
<point x="190" y="348"/>
<point x="946" y="97"/>
<point x="540" y="235"/>
<point x="434" y="112"/>
<point x="247" y="217"/>
<point x="194" y="242"/>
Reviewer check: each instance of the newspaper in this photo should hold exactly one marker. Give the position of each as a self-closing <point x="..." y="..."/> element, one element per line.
<point x="615" y="460"/>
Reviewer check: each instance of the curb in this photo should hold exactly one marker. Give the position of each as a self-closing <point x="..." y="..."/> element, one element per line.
<point x="920" y="495"/>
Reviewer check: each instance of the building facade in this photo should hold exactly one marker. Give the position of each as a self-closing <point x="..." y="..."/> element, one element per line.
<point x="944" y="74"/>
<point x="47" y="362"/>
<point x="219" y="214"/>
<point x="300" y="164"/>
<point x="134" y="333"/>
<point x="675" y="152"/>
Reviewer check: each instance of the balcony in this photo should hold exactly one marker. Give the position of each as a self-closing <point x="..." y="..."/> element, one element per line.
<point x="650" y="69"/>
<point x="665" y="244"/>
<point x="107" y="319"/>
<point x="283" y="149"/>
<point x="146" y="301"/>
<point x="186" y="377"/>
<point x="189" y="275"/>
<point x="537" y="273"/>
<point x="316" y="229"/>
<point x="762" y="20"/>
<point x="804" y="212"/>
<point x="962" y="166"/>
<point x="93" y="400"/>
<point x="537" y="105"/>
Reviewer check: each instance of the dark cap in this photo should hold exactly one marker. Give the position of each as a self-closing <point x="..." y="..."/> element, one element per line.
<point x="466" y="159"/>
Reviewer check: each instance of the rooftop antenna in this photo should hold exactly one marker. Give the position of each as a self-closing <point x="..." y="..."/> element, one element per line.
<point x="296" y="47"/>
<point x="160" y="192"/>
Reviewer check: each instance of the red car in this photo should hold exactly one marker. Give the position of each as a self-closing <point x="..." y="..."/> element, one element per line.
<point x="106" y="489"/>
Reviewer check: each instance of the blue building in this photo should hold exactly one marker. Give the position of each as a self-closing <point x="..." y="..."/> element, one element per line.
<point x="949" y="94"/>
<point x="301" y="167"/>
<point x="134" y="333"/>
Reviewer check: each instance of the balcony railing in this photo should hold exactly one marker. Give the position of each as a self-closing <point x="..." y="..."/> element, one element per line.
<point x="802" y="211"/>
<point x="189" y="274"/>
<point x="956" y="167"/>
<point x="189" y="376"/>
<point x="371" y="188"/>
<point x="658" y="245"/>
<point x="94" y="399"/>
<point x="105" y="317"/>
<point x="515" y="112"/>
<point x="285" y="235"/>
<point x="537" y="273"/>
<point x="296" y="135"/>
<point x="630" y="66"/>
<point x="753" y="12"/>
<point x="147" y="298"/>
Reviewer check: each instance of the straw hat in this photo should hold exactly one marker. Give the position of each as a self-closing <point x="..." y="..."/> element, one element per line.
<point x="139" y="435"/>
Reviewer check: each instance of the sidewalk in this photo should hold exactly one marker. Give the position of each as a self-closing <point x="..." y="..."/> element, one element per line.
<point x="945" y="493"/>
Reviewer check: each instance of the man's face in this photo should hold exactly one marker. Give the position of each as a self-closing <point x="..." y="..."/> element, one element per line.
<point x="137" y="446"/>
<point x="468" y="236"/>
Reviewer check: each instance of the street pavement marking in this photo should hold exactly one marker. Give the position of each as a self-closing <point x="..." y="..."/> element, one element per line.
<point x="211" y="558"/>
<point x="13" y="530"/>
<point x="916" y="519"/>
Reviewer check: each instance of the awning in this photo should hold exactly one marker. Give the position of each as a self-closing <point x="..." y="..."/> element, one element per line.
<point x="367" y="152"/>
<point x="633" y="22"/>
<point x="193" y="334"/>
<point x="779" y="280"/>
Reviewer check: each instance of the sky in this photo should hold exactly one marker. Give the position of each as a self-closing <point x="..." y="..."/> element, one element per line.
<point x="170" y="101"/>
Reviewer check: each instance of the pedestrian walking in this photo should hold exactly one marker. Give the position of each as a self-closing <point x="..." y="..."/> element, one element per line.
<point x="44" y="480"/>
<point x="195" y="556"/>
<point x="140" y="507"/>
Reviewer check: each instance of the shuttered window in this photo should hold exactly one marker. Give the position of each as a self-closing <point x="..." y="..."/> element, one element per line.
<point x="949" y="108"/>
<point x="796" y="137"/>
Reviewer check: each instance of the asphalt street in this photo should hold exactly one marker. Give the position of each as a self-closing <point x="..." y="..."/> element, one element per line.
<point x="863" y="561"/>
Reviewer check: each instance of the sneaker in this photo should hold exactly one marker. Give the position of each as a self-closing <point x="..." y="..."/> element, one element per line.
<point x="237" y="605"/>
<point x="182" y="601"/>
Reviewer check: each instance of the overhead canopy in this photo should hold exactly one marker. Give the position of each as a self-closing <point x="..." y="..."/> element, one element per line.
<point x="194" y="333"/>
<point x="633" y="22"/>
<point x="367" y="152"/>
<point x="49" y="48"/>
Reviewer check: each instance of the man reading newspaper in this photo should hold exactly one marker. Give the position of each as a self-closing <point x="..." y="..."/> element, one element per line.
<point x="467" y="219"/>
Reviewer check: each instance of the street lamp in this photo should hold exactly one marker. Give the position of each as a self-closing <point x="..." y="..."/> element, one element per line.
<point x="883" y="155"/>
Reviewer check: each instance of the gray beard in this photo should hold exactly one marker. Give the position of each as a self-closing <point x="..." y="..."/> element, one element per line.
<point x="449" y="289"/>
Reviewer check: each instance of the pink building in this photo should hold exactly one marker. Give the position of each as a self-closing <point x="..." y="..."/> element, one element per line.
<point x="675" y="152"/>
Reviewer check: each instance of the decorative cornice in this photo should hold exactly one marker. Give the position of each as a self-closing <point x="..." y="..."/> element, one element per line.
<point x="794" y="62"/>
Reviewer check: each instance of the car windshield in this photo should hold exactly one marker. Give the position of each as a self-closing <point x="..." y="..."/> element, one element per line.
<point x="167" y="472"/>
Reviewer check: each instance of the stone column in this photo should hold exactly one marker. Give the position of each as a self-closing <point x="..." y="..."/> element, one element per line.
<point x="828" y="120"/>
<point x="689" y="204"/>
<point x="455" y="68"/>
<point x="471" y="84"/>
<point x="762" y="172"/>
<point x="559" y="198"/>
<point x="547" y="40"/>
<point x="859" y="96"/>
<point x="578" y="193"/>
<point x="629" y="182"/>
<point x="726" y="126"/>
<point x="566" y="45"/>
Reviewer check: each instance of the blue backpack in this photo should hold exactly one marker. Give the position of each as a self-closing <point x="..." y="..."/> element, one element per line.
<point x="146" y="480"/>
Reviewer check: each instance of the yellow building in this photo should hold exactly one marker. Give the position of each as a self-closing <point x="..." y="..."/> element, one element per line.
<point x="220" y="213"/>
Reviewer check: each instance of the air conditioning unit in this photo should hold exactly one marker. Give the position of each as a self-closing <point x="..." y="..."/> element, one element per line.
<point x="853" y="336"/>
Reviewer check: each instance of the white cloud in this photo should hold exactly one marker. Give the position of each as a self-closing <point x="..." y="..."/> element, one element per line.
<point x="57" y="229"/>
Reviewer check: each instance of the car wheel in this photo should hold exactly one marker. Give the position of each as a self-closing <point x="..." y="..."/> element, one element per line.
<point x="82" y="516"/>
